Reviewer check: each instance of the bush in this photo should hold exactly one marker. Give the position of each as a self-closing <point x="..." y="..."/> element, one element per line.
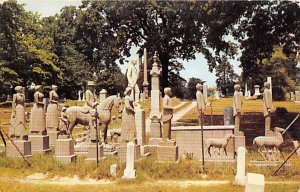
<point x="278" y="93"/>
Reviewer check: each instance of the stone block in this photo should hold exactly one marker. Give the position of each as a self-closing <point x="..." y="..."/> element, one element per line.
<point x="240" y="178"/>
<point x="145" y="150"/>
<point x="92" y="152"/>
<point x="53" y="135"/>
<point x="129" y="172"/>
<point x="167" y="151"/>
<point x="255" y="182"/>
<point x="66" y="159"/>
<point x="39" y="144"/>
<point x="113" y="170"/>
<point x="122" y="152"/>
<point x="239" y="141"/>
<point x="64" y="150"/>
<point x="24" y="147"/>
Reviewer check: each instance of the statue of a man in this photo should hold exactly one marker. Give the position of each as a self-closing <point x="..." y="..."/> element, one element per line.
<point x="267" y="106"/>
<point x="132" y="77"/>
<point x="167" y="114"/>
<point x="200" y="102"/>
<point x="237" y="108"/>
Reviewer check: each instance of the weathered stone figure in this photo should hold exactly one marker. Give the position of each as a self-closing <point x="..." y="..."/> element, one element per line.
<point x="64" y="123"/>
<point x="52" y="110"/>
<point x="132" y="77"/>
<point x="37" y="118"/>
<point x="17" y="120"/>
<point x="128" y="130"/>
<point x="167" y="114"/>
<point x="200" y="102"/>
<point x="237" y="108"/>
<point x="267" y="106"/>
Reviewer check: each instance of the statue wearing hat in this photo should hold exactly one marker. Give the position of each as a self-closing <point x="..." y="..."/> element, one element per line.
<point x="237" y="108"/>
<point x="200" y="102"/>
<point x="52" y="110"/>
<point x="17" y="121"/>
<point x="132" y="77"/>
<point x="167" y="114"/>
<point x="37" y="118"/>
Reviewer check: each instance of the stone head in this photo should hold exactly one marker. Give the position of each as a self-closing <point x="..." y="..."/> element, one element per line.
<point x="19" y="89"/>
<point x="39" y="88"/>
<point x="133" y="62"/>
<point x="54" y="87"/>
<point x="91" y="85"/>
<point x="168" y="91"/>
<point x="237" y="87"/>
<point x="199" y="87"/>
<point x="267" y="85"/>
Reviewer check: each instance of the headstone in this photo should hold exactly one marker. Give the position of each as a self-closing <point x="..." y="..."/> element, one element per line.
<point x="64" y="150"/>
<point x="246" y="90"/>
<point x="167" y="151"/>
<point x="240" y="177"/>
<point x="92" y="152"/>
<point x="79" y="95"/>
<point x="205" y="93"/>
<point x="217" y="95"/>
<point x="9" y="98"/>
<point x="122" y="151"/>
<point x="256" y="90"/>
<point x="129" y="172"/>
<point x="23" y="145"/>
<point x="228" y="116"/>
<point x="113" y="170"/>
<point x="102" y="95"/>
<point x="249" y="94"/>
<point x="269" y="80"/>
<point x="255" y="182"/>
<point x="141" y="129"/>
<point x="155" y="116"/>
<point x="145" y="83"/>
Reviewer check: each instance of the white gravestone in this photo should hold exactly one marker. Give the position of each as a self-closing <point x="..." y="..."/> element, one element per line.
<point x="240" y="178"/>
<point x="255" y="183"/>
<point x="129" y="172"/>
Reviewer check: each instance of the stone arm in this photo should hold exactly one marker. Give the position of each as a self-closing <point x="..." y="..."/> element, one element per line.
<point x="36" y="98"/>
<point x="127" y="105"/>
<point x="51" y="99"/>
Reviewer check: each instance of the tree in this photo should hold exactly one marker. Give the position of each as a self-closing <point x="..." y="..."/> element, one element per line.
<point x="191" y="86"/>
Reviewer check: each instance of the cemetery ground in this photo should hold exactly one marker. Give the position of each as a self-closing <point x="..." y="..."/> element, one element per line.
<point x="48" y="175"/>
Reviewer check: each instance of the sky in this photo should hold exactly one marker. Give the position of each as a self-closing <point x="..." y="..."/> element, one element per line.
<point x="193" y="68"/>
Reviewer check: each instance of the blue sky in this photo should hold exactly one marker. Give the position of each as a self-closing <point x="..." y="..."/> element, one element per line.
<point x="194" y="68"/>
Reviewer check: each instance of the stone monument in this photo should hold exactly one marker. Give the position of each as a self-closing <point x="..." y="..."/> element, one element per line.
<point x="52" y="116"/>
<point x="129" y="172"/>
<point x="240" y="177"/>
<point x="79" y="95"/>
<point x="256" y="90"/>
<point x="255" y="182"/>
<point x="64" y="149"/>
<point x="17" y="130"/>
<point x="239" y="138"/>
<point x="200" y="103"/>
<point x="155" y="116"/>
<point x="145" y="83"/>
<point x="132" y="77"/>
<point x="102" y="95"/>
<point x="38" y="134"/>
<point x="205" y="93"/>
<point x="246" y="90"/>
<point x="267" y="106"/>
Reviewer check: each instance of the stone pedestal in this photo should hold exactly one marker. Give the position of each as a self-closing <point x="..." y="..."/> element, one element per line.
<point x="64" y="150"/>
<point x="122" y="151"/>
<point x="53" y="135"/>
<point x="24" y="147"/>
<point x="129" y="172"/>
<point x="92" y="152"/>
<point x="240" y="178"/>
<point x="228" y="116"/>
<point x="167" y="151"/>
<point x="256" y="90"/>
<point x="255" y="183"/>
<point x="239" y="141"/>
<point x="39" y="144"/>
<point x="140" y="125"/>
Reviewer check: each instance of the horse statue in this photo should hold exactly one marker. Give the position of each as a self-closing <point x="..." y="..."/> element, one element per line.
<point x="76" y="116"/>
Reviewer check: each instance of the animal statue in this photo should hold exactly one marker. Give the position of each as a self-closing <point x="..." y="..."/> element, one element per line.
<point x="76" y="116"/>
<point x="218" y="143"/>
<point x="269" y="142"/>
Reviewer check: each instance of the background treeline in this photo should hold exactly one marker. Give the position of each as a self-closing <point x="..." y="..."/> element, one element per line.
<point x="89" y="42"/>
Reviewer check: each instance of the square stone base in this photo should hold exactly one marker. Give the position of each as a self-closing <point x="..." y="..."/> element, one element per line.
<point x="39" y="144"/>
<point x="167" y="151"/>
<point x="66" y="159"/>
<point x="92" y="152"/>
<point x="239" y="141"/>
<point x="255" y="183"/>
<point x="122" y="152"/>
<point x="53" y="135"/>
<point x="64" y="147"/>
<point x="145" y="151"/>
<point x="24" y="147"/>
<point x="129" y="174"/>
<point x="154" y="141"/>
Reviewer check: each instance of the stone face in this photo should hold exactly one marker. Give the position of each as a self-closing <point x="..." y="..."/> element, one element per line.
<point x="24" y="147"/>
<point x="140" y="126"/>
<point x="240" y="178"/>
<point x="255" y="183"/>
<point x="39" y="144"/>
<point x="129" y="172"/>
<point x="167" y="151"/>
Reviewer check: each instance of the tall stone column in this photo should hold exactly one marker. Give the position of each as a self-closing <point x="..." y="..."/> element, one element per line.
<point x="155" y="116"/>
<point x="269" y="80"/>
<point x="145" y="83"/>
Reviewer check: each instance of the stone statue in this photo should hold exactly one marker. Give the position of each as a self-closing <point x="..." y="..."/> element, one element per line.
<point x="237" y="108"/>
<point x="167" y="114"/>
<point x="200" y="102"/>
<point x="63" y="123"/>
<point x="17" y="120"/>
<point x="37" y="118"/>
<point x="132" y="77"/>
<point x="267" y="106"/>
<point x="52" y="110"/>
<point x="128" y="129"/>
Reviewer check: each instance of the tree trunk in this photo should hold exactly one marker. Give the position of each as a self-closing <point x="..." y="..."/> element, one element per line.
<point x="164" y="59"/>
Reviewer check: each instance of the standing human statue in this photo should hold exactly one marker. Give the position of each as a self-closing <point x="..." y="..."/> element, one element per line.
<point x="52" y="116"/>
<point x="64" y="122"/>
<point x="200" y="103"/>
<point x="132" y="77"/>
<point x="128" y="129"/>
<point x="37" y="123"/>
<point x="17" y="120"/>
<point x="267" y="106"/>
<point x="89" y="106"/>
<point x="237" y="108"/>
<point x="167" y="114"/>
